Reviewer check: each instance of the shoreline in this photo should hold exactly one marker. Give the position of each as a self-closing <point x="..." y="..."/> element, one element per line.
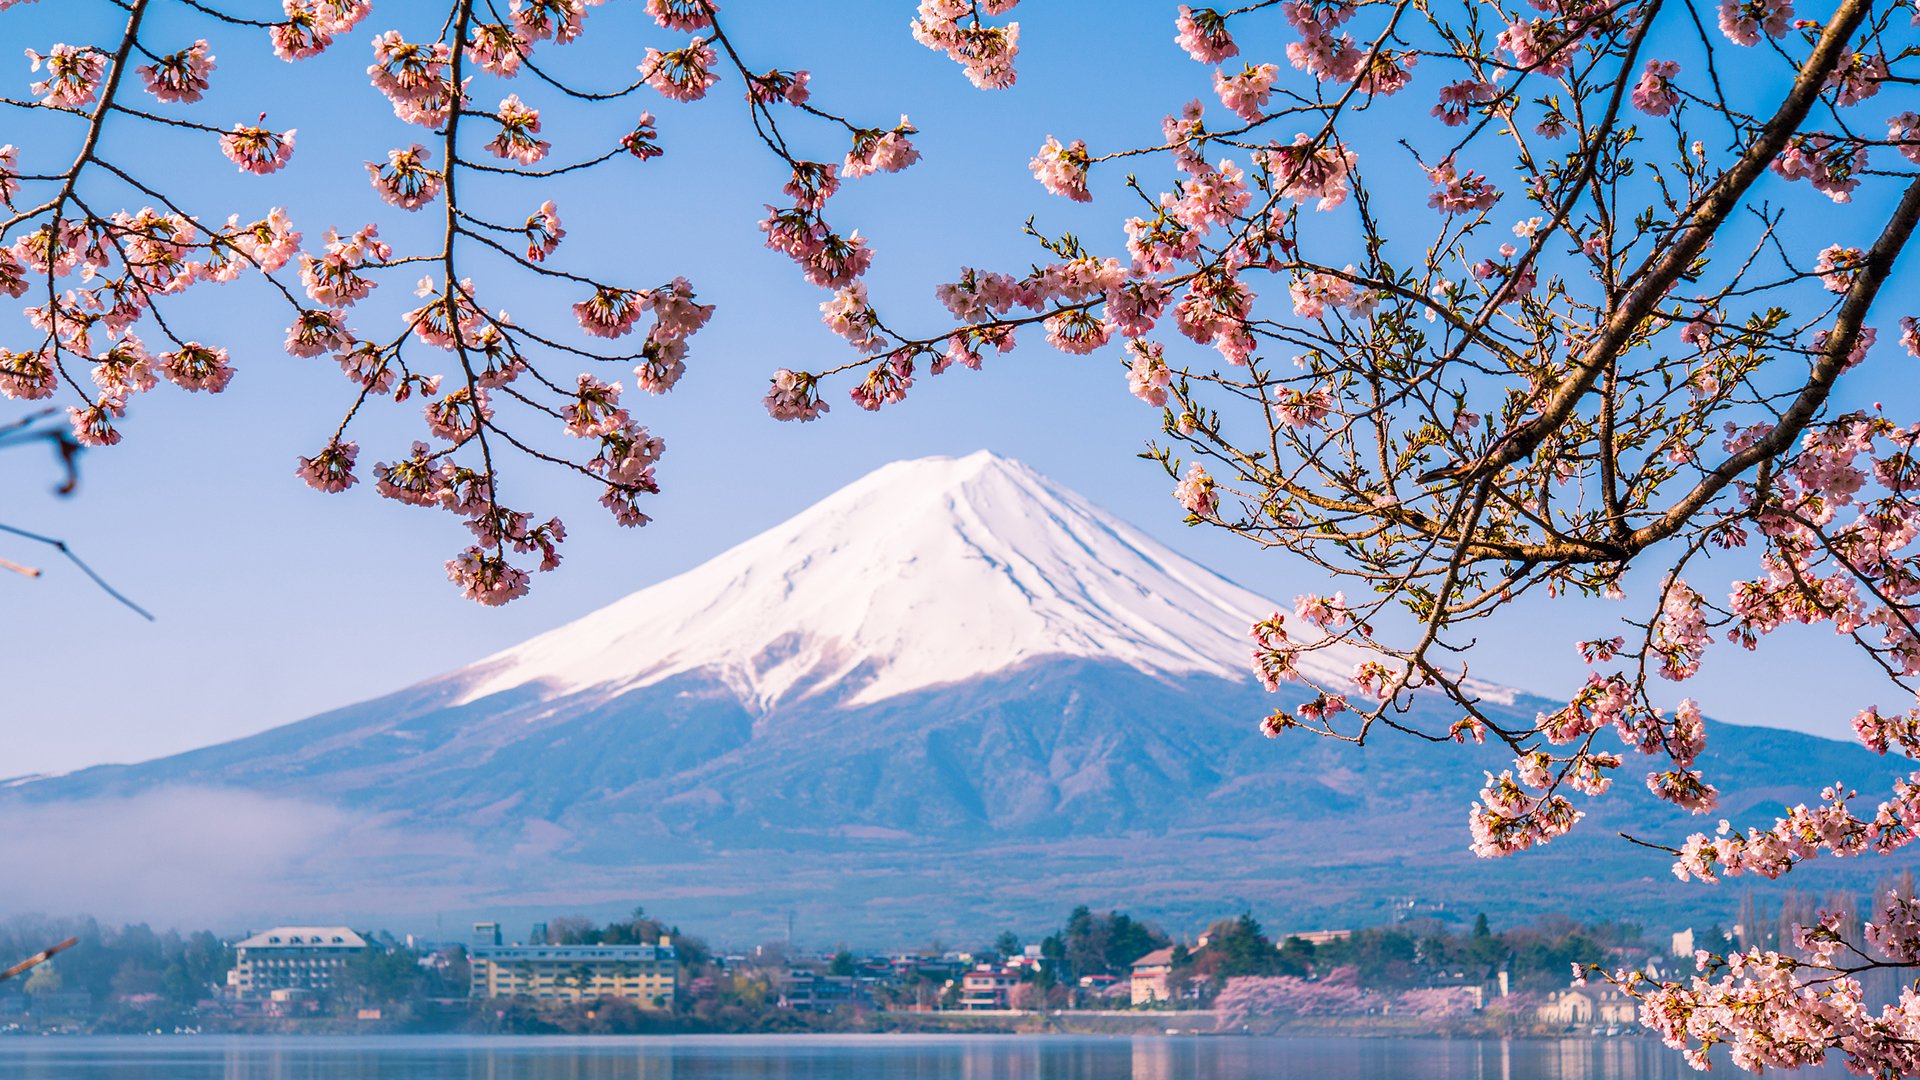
<point x="886" y="1025"/>
<point x="824" y="1037"/>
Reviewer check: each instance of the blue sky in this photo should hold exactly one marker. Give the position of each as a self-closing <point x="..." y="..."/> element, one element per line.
<point x="275" y="602"/>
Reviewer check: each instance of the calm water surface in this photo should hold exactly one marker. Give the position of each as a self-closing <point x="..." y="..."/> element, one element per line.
<point x="892" y="1057"/>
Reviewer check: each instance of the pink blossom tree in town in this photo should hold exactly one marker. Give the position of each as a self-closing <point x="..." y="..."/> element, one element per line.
<point x="1614" y="331"/>
<point x="1248" y="999"/>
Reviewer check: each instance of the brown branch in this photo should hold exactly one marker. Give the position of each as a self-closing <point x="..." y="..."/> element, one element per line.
<point x="37" y="959"/>
<point x="1668" y="264"/>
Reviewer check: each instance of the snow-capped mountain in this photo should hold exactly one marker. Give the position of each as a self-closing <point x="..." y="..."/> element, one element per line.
<point x="951" y="697"/>
<point x="920" y="574"/>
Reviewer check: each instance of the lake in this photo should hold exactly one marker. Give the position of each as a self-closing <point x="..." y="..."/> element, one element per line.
<point x="881" y="1057"/>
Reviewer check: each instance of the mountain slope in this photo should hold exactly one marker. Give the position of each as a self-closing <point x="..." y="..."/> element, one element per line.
<point x="951" y="695"/>
<point x="922" y="573"/>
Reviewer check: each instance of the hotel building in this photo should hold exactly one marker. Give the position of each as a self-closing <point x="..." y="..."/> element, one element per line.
<point x="308" y="958"/>
<point x="642" y="974"/>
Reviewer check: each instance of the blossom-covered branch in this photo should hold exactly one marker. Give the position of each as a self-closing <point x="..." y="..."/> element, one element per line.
<point x="1609" y="340"/>
<point x="97" y="281"/>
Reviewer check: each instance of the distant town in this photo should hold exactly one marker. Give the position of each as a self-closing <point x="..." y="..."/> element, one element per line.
<point x="1098" y="971"/>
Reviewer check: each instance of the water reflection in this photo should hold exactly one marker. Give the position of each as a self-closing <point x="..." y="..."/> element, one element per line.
<point x="843" y="1058"/>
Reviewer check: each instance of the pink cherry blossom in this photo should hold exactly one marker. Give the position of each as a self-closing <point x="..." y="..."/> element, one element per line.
<point x="794" y="396"/>
<point x="1148" y="376"/>
<point x="405" y="180"/>
<point x="640" y="141"/>
<point x="269" y="242"/>
<point x="1903" y="130"/>
<point x="663" y="362"/>
<point x="984" y="52"/>
<point x="886" y="383"/>
<point x="1538" y="46"/>
<point x="27" y="376"/>
<point x="181" y="76"/>
<point x="777" y="86"/>
<point x="194" y="366"/>
<point x="317" y="332"/>
<point x="1134" y="306"/>
<point x="1859" y="78"/>
<point x="256" y="149"/>
<point x="331" y="470"/>
<point x="93" y="424"/>
<point x="543" y="231"/>
<point x="609" y="312"/>
<point x="519" y="128"/>
<point x="1203" y="35"/>
<point x="1195" y="492"/>
<point x="303" y="34"/>
<point x="683" y="15"/>
<point x="880" y="151"/>
<point x="487" y="578"/>
<point x="497" y="48"/>
<point x="849" y="315"/>
<point x="408" y="71"/>
<point x="458" y="416"/>
<point x="675" y="311"/>
<point x="1076" y="332"/>
<point x="1838" y="265"/>
<point x="561" y="20"/>
<point x="594" y="409"/>
<point x="9" y="173"/>
<point x="73" y="77"/>
<point x="1744" y="21"/>
<point x="1458" y="99"/>
<point x="1246" y="91"/>
<point x="1062" y="170"/>
<point x="1310" y="169"/>
<point x="1654" y="93"/>
<point x="415" y="480"/>
<point x="683" y="74"/>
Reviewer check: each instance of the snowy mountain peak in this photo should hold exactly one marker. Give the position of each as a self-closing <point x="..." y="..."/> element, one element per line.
<point x="919" y="574"/>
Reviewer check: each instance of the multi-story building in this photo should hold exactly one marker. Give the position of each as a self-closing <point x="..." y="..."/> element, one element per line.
<point x="810" y="991"/>
<point x="642" y="974"/>
<point x="308" y="958"/>
<point x="1149" y="982"/>
<point x="987" y="987"/>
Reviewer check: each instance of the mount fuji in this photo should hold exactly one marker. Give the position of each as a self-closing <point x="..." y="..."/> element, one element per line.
<point x="950" y="697"/>
<point x="922" y="574"/>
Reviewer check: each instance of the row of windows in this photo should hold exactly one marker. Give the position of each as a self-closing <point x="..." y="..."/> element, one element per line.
<point x="296" y="961"/>
<point x="591" y="980"/>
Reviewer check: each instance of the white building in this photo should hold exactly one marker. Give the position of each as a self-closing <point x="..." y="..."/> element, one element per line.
<point x="306" y="958"/>
<point x="1580" y="1006"/>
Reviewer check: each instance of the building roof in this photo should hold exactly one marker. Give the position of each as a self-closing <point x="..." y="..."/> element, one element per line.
<point x="290" y="937"/>
<point x="572" y="953"/>
<point x="1156" y="958"/>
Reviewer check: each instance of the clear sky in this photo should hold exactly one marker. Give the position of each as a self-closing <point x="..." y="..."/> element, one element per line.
<point x="275" y="602"/>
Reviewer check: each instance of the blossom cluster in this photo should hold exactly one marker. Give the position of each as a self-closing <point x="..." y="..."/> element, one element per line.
<point x="91" y="283"/>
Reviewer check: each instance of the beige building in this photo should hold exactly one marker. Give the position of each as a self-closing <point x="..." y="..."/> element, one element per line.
<point x="292" y="958"/>
<point x="1150" y="976"/>
<point x="1582" y="1006"/>
<point x="642" y="974"/>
